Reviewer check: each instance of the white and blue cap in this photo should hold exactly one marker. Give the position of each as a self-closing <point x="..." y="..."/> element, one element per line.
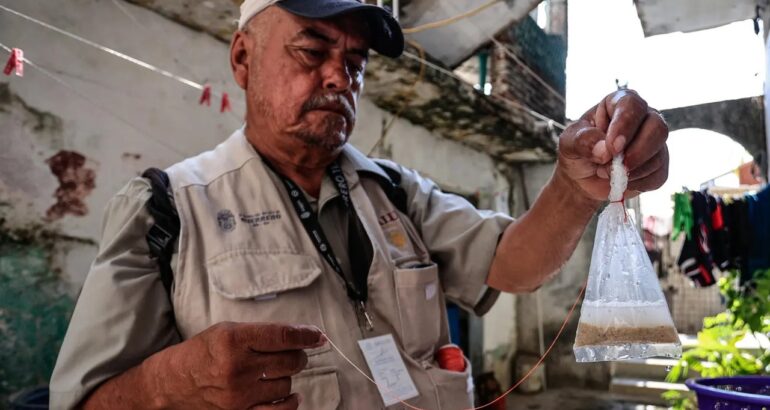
<point x="386" y="35"/>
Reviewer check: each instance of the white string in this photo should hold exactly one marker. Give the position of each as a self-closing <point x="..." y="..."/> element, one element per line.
<point x="99" y="106"/>
<point x="363" y="373"/>
<point x="186" y="68"/>
<point x="507" y="392"/>
<point x="106" y="49"/>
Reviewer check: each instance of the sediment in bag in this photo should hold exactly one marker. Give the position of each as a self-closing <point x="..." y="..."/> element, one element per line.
<point x="621" y="323"/>
<point x="624" y="313"/>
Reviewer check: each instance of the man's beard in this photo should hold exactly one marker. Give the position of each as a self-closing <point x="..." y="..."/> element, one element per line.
<point x="328" y="136"/>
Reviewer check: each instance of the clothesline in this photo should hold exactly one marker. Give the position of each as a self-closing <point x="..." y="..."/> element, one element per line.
<point x="95" y="104"/>
<point x="723" y="233"/>
<point x="125" y="57"/>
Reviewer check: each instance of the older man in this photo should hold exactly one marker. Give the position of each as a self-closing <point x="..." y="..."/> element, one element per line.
<point x="287" y="229"/>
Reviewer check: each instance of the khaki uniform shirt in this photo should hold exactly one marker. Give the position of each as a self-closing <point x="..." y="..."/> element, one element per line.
<point x="244" y="256"/>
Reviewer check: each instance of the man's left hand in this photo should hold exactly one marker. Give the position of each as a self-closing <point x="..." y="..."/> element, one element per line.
<point x="621" y="123"/>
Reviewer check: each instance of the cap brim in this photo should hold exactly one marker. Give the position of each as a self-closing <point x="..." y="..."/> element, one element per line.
<point x="386" y="35"/>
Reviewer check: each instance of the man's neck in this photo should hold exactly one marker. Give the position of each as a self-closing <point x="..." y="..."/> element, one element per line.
<point x="304" y="166"/>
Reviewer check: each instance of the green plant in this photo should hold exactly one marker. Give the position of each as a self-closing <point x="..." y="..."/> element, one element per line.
<point x="677" y="401"/>
<point x="749" y="306"/>
<point x="717" y="353"/>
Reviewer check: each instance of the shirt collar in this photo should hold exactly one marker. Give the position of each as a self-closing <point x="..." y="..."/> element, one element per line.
<point x="361" y="163"/>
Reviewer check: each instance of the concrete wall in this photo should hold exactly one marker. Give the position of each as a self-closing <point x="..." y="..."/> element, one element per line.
<point x="666" y="16"/>
<point x="743" y="120"/>
<point x="556" y="298"/>
<point x="84" y="144"/>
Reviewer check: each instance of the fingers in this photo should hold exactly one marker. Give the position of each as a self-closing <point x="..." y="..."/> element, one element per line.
<point x="648" y="142"/>
<point x="582" y="141"/>
<point x="273" y="390"/>
<point x="275" y="337"/>
<point x="658" y="161"/>
<point x="602" y="118"/>
<point x="627" y="111"/>
<point x="651" y="182"/>
<point x="290" y="403"/>
<point x="270" y="366"/>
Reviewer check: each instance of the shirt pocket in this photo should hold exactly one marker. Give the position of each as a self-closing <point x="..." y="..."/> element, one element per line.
<point x="319" y="388"/>
<point x="455" y="389"/>
<point x="251" y="285"/>
<point x="419" y="309"/>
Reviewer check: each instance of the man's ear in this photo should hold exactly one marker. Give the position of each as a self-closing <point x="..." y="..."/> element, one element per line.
<point x="239" y="58"/>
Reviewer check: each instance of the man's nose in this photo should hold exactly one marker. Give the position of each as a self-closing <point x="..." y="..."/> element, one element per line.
<point x="337" y="76"/>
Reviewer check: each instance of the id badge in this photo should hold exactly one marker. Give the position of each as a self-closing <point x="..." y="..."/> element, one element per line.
<point x="388" y="369"/>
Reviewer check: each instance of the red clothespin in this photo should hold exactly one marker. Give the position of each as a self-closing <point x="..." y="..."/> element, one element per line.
<point x="225" y="103"/>
<point x="206" y="96"/>
<point x="15" y="63"/>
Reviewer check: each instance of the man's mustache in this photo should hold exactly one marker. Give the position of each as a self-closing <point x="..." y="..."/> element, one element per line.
<point x="330" y="102"/>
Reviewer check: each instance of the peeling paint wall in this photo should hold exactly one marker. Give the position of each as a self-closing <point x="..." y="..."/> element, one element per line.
<point x="34" y="308"/>
<point x="64" y="153"/>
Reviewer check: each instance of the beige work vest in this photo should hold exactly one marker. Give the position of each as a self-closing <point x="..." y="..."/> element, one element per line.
<point x="244" y="256"/>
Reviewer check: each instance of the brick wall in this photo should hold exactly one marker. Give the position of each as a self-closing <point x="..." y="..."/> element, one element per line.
<point x="544" y="54"/>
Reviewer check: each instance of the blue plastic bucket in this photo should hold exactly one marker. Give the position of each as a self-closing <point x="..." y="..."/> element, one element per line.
<point x="732" y="393"/>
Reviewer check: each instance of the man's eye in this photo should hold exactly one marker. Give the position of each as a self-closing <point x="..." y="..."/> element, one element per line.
<point x="313" y="53"/>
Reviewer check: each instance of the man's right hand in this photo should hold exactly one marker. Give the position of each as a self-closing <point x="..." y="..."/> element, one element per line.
<point x="227" y="366"/>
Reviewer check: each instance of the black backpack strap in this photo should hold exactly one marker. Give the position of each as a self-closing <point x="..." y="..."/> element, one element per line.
<point x="393" y="188"/>
<point x="164" y="233"/>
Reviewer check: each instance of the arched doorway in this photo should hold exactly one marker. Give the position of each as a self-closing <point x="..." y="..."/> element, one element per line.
<point x="697" y="156"/>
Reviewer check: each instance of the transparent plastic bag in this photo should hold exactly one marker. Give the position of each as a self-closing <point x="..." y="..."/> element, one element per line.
<point x="624" y="313"/>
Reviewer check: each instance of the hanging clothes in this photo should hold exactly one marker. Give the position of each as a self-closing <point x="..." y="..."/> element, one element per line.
<point x="739" y="236"/>
<point x="718" y="238"/>
<point x="696" y="261"/>
<point x="683" y="219"/>
<point x="725" y="233"/>
<point x="759" y="221"/>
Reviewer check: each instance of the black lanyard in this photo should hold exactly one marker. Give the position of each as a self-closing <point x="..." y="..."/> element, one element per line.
<point x="358" y="289"/>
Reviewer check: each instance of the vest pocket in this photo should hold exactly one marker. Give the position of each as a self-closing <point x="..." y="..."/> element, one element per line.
<point x="419" y="309"/>
<point x="319" y="388"/>
<point x="455" y="389"/>
<point x="251" y="285"/>
<point x="251" y="273"/>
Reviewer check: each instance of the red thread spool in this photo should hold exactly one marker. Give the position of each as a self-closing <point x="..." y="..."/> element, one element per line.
<point x="450" y="357"/>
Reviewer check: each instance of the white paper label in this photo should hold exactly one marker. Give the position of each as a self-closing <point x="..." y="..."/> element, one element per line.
<point x="388" y="369"/>
<point x="430" y="290"/>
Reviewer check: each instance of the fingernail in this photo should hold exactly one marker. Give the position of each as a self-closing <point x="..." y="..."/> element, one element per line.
<point x="619" y="144"/>
<point x="602" y="173"/>
<point x="600" y="150"/>
<point x="321" y="339"/>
